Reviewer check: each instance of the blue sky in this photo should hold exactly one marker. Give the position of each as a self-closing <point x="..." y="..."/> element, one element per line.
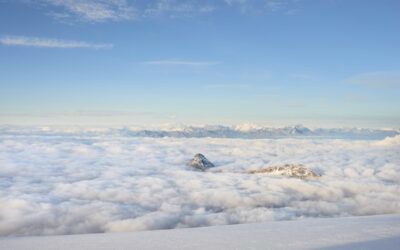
<point x="231" y="61"/>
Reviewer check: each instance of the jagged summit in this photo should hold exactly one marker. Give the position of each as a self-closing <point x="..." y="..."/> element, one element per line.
<point x="200" y="162"/>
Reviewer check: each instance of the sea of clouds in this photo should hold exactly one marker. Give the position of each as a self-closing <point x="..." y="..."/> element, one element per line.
<point x="72" y="182"/>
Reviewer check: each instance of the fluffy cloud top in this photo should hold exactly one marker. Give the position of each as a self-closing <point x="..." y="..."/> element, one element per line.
<point x="89" y="183"/>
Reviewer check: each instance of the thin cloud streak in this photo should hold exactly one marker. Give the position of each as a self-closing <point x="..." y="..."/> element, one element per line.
<point x="175" y="9"/>
<point x="50" y="43"/>
<point x="92" y="10"/>
<point x="99" y="11"/>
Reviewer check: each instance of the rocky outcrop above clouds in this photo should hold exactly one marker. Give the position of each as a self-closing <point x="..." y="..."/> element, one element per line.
<point x="290" y="170"/>
<point x="200" y="162"/>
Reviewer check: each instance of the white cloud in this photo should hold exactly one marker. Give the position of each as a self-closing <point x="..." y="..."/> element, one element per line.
<point x="49" y="43"/>
<point x="389" y="141"/>
<point x="120" y="10"/>
<point x="96" y="11"/>
<point x="92" y="10"/>
<point x="173" y="8"/>
<point x="87" y="182"/>
<point x="378" y="79"/>
<point x="173" y="62"/>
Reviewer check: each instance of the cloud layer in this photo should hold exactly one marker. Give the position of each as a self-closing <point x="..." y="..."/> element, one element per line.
<point x="80" y="183"/>
<point x="49" y="43"/>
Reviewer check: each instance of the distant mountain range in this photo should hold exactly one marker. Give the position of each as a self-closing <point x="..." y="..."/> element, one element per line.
<point x="213" y="131"/>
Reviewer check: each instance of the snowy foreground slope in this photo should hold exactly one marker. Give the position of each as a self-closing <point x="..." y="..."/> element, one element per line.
<point x="366" y="232"/>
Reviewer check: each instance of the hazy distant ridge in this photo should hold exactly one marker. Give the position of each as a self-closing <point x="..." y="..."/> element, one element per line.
<point x="213" y="131"/>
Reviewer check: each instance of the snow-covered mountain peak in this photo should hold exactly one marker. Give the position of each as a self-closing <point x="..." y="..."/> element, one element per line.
<point x="200" y="162"/>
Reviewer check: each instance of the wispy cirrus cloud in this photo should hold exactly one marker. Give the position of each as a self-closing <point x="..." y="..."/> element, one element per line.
<point x="50" y="43"/>
<point x="98" y="11"/>
<point x="92" y="10"/>
<point x="174" y="8"/>
<point x="174" y="62"/>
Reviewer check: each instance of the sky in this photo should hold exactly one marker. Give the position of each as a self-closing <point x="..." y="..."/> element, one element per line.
<point x="207" y="62"/>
